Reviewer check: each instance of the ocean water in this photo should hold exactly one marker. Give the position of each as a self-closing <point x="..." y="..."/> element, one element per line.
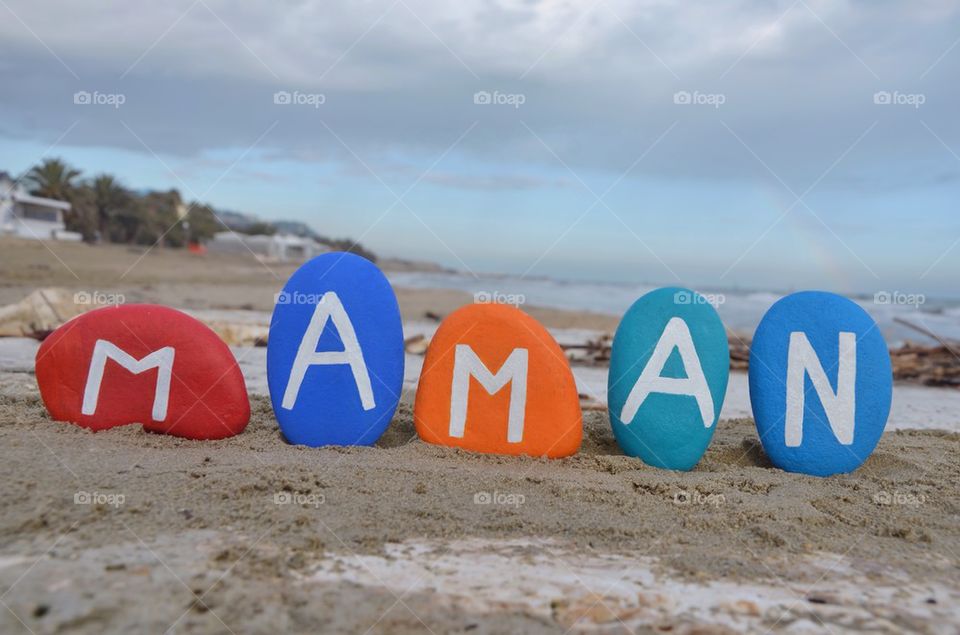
<point x="740" y="309"/>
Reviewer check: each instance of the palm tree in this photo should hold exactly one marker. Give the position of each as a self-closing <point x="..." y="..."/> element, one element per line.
<point x="108" y="198"/>
<point x="53" y="179"/>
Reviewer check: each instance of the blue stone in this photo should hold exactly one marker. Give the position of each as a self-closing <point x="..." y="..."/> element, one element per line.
<point x="820" y="383"/>
<point x="674" y="341"/>
<point x="335" y="353"/>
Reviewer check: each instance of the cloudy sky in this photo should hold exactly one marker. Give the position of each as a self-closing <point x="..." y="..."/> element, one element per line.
<point x="771" y="144"/>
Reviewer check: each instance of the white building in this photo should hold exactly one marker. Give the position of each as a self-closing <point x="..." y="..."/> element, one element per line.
<point x="28" y="216"/>
<point x="276" y="248"/>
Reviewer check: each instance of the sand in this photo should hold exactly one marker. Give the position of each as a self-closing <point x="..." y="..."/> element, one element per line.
<point x="255" y="527"/>
<point x="124" y="531"/>
<point x="212" y="281"/>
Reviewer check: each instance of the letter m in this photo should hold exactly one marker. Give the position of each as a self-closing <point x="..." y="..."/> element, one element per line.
<point x="466" y="364"/>
<point x="161" y="359"/>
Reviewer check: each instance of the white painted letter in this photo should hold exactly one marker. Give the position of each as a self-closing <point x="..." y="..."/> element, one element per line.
<point x="329" y="308"/>
<point x="675" y="335"/>
<point x="839" y="407"/>
<point x="466" y="364"/>
<point x="161" y="359"/>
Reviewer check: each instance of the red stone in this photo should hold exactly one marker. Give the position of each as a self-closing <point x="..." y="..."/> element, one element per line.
<point x="207" y="397"/>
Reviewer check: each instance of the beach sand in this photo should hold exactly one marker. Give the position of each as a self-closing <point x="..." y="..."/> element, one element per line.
<point x="124" y="530"/>
<point x="251" y="534"/>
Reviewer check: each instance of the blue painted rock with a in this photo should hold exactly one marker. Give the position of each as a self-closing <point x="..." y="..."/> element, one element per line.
<point x="820" y="383"/>
<point x="335" y="353"/>
<point x="668" y="377"/>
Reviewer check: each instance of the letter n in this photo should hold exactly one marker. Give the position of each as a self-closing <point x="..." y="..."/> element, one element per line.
<point x="839" y="406"/>
<point x="161" y="359"/>
<point x="466" y="364"/>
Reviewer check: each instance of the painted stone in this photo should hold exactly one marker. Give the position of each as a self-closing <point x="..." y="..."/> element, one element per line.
<point x="820" y="383"/>
<point x="142" y="363"/>
<point x="669" y="368"/>
<point x="495" y="381"/>
<point x="335" y="353"/>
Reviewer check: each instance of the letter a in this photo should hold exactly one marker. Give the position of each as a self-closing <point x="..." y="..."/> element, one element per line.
<point x="161" y="359"/>
<point x="675" y="335"/>
<point x="466" y="364"/>
<point x="329" y="308"/>
<point x="840" y="407"/>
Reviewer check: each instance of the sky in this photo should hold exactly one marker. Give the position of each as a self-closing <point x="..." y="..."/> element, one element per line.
<point x="776" y="145"/>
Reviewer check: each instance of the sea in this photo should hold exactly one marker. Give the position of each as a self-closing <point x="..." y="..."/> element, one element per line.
<point x="740" y="309"/>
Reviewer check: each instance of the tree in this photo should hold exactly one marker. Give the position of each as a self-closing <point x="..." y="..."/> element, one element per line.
<point x="109" y="198"/>
<point x="259" y="228"/>
<point x="52" y="179"/>
<point x="203" y="222"/>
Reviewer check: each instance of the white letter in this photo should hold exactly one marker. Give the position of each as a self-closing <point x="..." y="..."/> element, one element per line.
<point x="839" y="407"/>
<point x="329" y="307"/>
<point x="161" y="359"/>
<point x="466" y="364"/>
<point x="675" y="335"/>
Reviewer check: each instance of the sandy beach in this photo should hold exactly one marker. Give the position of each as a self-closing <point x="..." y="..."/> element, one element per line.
<point x="124" y="530"/>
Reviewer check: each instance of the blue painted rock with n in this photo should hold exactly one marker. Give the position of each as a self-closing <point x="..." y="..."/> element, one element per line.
<point x="814" y="348"/>
<point x="668" y="378"/>
<point x="335" y="353"/>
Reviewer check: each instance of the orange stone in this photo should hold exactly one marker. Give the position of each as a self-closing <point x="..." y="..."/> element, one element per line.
<point x="495" y="381"/>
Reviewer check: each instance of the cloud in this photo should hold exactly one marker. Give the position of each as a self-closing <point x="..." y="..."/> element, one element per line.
<point x="598" y="83"/>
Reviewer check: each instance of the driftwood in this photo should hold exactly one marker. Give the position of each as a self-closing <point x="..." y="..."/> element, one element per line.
<point x="929" y="365"/>
<point x="42" y="311"/>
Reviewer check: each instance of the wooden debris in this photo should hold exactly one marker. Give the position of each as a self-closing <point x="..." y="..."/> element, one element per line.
<point x="40" y="313"/>
<point x="928" y="365"/>
<point x="416" y="345"/>
<point x="595" y="352"/>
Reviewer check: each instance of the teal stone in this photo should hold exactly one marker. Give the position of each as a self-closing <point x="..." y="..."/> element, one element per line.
<point x="668" y="377"/>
